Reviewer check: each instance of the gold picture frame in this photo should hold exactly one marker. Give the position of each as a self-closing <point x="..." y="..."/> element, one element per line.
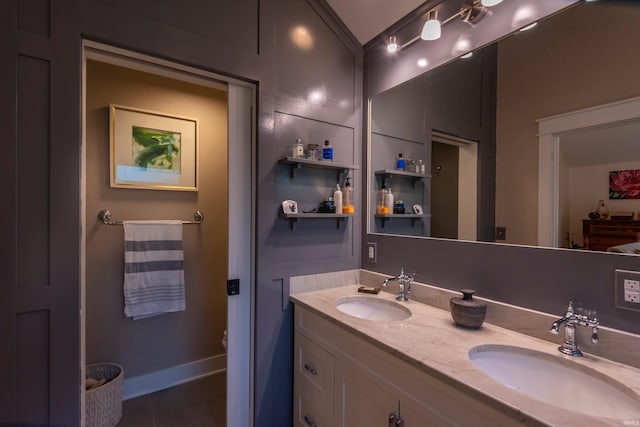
<point x="151" y="150"/>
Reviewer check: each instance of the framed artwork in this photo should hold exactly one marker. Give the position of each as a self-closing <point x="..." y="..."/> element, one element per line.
<point x="624" y="184"/>
<point x="151" y="150"/>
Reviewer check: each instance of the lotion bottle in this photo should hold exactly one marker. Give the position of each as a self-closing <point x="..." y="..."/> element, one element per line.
<point x="337" y="199"/>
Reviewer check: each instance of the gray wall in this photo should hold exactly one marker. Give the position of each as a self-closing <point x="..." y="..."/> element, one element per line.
<point x="459" y="99"/>
<point x="247" y="39"/>
<point x="536" y="278"/>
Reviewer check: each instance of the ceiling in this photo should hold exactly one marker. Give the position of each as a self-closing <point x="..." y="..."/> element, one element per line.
<point x="368" y="18"/>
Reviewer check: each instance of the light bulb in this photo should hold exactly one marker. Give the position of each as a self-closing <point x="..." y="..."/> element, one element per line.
<point x="392" y="45"/>
<point x="422" y="62"/>
<point x="431" y="30"/>
<point x="490" y="3"/>
<point x="467" y="55"/>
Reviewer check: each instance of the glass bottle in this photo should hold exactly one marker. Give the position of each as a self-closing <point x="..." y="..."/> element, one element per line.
<point x="400" y="162"/>
<point x="298" y="148"/>
<point x="602" y="210"/>
<point x="327" y="151"/>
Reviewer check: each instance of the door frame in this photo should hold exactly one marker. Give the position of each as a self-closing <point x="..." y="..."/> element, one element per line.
<point x="550" y="132"/>
<point x="241" y="205"/>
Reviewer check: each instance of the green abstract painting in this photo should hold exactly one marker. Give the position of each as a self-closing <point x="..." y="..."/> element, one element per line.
<point x="156" y="149"/>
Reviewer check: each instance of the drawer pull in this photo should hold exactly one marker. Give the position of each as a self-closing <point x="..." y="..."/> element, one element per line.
<point x="310" y="421"/>
<point x="310" y="369"/>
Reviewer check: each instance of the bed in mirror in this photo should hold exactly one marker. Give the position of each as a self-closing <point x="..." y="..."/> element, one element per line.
<point x="519" y="140"/>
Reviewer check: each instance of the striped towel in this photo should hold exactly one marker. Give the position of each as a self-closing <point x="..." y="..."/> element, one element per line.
<point x="153" y="268"/>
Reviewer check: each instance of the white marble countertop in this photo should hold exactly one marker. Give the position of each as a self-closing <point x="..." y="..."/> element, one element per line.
<point x="430" y="341"/>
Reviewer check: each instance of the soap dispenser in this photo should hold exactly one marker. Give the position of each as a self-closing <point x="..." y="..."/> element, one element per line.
<point x="383" y="209"/>
<point x="347" y="207"/>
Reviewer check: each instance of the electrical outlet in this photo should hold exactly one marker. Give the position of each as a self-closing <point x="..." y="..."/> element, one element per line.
<point x="631" y="296"/>
<point x="631" y="285"/>
<point x="372" y="252"/>
<point x="627" y="288"/>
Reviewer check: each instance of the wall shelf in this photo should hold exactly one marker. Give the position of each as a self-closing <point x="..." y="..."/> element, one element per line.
<point x="390" y="173"/>
<point x="299" y="162"/>
<point x="412" y="217"/>
<point x="294" y="218"/>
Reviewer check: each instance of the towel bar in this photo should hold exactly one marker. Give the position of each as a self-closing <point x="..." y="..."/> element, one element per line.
<point x="105" y="217"/>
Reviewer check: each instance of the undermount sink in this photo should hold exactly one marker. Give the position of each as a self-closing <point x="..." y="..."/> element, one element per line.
<point x="372" y="308"/>
<point x="557" y="381"/>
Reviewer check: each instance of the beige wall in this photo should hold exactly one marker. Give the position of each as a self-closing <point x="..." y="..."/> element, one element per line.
<point x="581" y="58"/>
<point x="149" y="345"/>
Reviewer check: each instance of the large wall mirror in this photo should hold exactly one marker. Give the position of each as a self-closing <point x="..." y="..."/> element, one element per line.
<point x="518" y="141"/>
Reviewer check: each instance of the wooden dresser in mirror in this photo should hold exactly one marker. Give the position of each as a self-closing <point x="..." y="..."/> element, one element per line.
<point x="601" y="234"/>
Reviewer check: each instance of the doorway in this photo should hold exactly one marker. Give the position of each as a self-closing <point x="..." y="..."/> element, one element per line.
<point x="553" y="132"/>
<point x="454" y="186"/>
<point x="173" y="348"/>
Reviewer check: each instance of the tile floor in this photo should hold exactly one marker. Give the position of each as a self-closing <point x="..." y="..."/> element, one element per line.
<point x="199" y="403"/>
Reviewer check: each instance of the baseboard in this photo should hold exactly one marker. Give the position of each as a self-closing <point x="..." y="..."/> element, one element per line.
<point x="159" y="380"/>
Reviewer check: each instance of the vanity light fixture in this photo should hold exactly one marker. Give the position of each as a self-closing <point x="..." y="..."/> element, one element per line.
<point x="432" y="28"/>
<point x="471" y="12"/>
<point x="467" y="55"/>
<point x="392" y="44"/>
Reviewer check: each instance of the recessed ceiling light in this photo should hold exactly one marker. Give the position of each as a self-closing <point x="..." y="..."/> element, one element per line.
<point x="422" y="62"/>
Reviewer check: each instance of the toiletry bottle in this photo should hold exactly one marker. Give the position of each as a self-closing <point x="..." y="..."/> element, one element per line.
<point x="400" y="162"/>
<point x="298" y="148"/>
<point x="347" y="207"/>
<point x="337" y="199"/>
<point x="327" y="151"/>
<point x="420" y="168"/>
<point x="388" y="200"/>
<point x="382" y="196"/>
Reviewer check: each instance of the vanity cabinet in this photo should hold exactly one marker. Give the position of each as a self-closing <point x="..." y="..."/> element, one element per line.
<point x="342" y="379"/>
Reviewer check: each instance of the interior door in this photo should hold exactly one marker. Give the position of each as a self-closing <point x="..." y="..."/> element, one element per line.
<point x="40" y="216"/>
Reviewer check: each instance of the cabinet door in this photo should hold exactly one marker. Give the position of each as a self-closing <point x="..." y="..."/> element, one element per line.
<point x="313" y="384"/>
<point x="362" y="401"/>
<point x="365" y="399"/>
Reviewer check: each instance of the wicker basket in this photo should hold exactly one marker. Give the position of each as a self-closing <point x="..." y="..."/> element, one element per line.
<point x="104" y="403"/>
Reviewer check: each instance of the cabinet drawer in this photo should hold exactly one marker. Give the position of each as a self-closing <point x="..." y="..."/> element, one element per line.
<point x="314" y="364"/>
<point x="308" y="413"/>
<point x="313" y="383"/>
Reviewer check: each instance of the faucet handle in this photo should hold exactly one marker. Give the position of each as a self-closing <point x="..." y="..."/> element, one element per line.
<point x="594" y="335"/>
<point x="570" y="309"/>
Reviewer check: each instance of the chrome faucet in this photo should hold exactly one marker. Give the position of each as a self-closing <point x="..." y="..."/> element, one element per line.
<point x="571" y="319"/>
<point x="406" y="285"/>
